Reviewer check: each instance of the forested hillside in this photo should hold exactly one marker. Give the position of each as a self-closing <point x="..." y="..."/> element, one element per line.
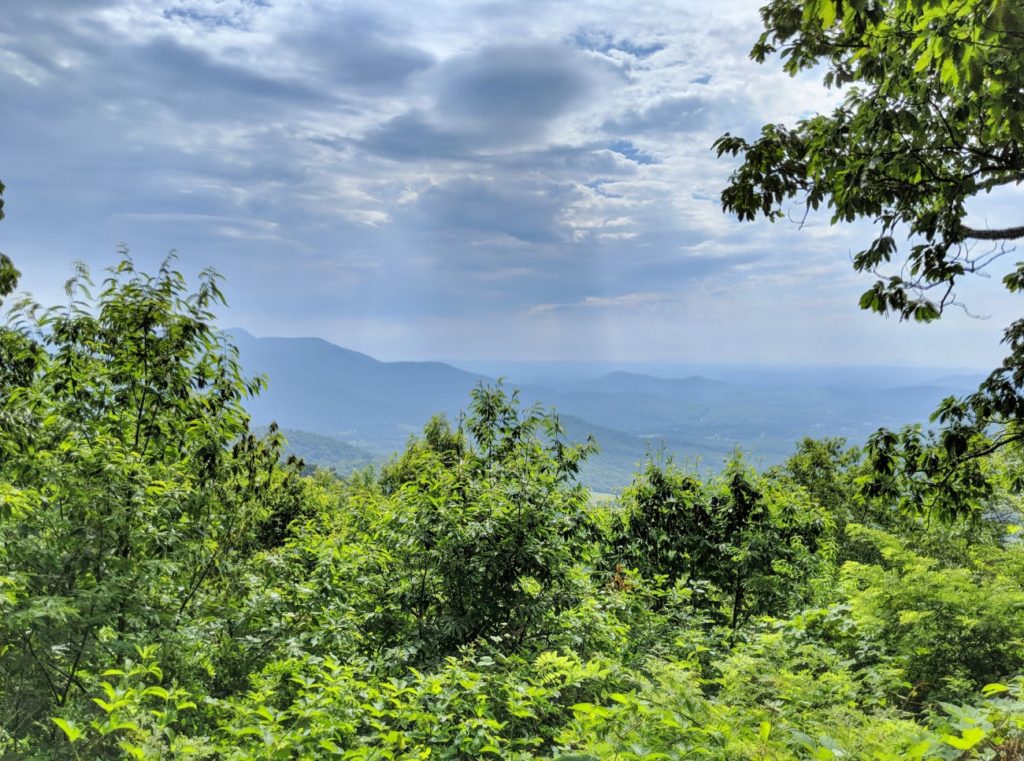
<point x="173" y="587"/>
<point x="321" y="392"/>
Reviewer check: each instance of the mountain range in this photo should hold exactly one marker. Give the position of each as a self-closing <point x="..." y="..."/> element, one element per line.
<point x="345" y="409"/>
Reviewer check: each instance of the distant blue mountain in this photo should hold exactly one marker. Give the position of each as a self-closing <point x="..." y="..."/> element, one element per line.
<point x="694" y="386"/>
<point x="319" y="387"/>
<point x="374" y="407"/>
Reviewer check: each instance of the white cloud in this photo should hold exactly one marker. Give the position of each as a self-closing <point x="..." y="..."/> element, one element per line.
<point x="431" y="167"/>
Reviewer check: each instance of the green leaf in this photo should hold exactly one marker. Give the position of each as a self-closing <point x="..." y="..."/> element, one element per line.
<point x="950" y="71"/>
<point x="968" y="739"/>
<point x="827" y="13"/>
<point x="72" y="732"/>
<point x="924" y="61"/>
<point x="132" y="750"/>
<point x="158" y="691"/>
<point x="917" y="751"/>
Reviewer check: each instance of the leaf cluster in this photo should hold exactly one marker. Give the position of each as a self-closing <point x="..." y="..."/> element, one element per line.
<point x="170" y="587"/>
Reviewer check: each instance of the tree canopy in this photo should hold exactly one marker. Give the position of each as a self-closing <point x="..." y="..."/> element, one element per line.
<point x="8" y="275"/>
<point x="170" y="588"/>
<point x="932" y="117"/>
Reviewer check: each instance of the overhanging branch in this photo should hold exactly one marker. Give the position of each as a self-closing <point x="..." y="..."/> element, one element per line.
<point x="1007" y="233"/>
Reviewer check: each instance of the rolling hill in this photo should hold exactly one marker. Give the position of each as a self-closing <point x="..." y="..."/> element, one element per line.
<point x="324" y="395"/>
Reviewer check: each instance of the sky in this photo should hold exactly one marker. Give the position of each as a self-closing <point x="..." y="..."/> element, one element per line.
<point x="487" y="179"/>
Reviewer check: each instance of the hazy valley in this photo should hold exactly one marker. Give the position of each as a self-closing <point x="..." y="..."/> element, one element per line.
<point x="344" y="409"/>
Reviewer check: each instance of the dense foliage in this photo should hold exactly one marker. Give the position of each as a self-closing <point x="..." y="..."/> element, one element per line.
<point x="171" y="587"/>
<point x="931" y="119"/>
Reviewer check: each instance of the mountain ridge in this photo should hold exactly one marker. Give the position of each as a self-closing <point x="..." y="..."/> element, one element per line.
<point x="321" y="388"/>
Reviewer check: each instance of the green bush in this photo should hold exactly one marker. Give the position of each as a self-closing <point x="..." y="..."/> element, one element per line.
<point x="748" y="544"/>
<point x="481" y="528"/>
<point x="169" y="588"/>
<point x="950" y="629"/>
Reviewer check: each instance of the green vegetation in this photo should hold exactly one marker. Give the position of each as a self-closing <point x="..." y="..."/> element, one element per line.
<point x="172" y="586"/>
<point x="324" y="451"/>
<point x="932" y="118"/>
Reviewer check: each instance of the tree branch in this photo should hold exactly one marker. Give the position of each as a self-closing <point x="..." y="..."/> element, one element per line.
<point x="1007" y="233"/>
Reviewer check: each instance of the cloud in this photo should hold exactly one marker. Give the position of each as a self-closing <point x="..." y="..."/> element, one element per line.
<point x="630" y="301"/>
<point x="195" y="83"/>
<point x="514" y="92"/>
<point x="498" y="98"/>
<point x="631" y="152"/>
<point x="467" y="209"/>
<point x="685" y="113"/>
<point x="411" y="136"/>
<point x="356" y="51"/>
<point x="216" y="13"/>
<point x="428" y="168"/>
